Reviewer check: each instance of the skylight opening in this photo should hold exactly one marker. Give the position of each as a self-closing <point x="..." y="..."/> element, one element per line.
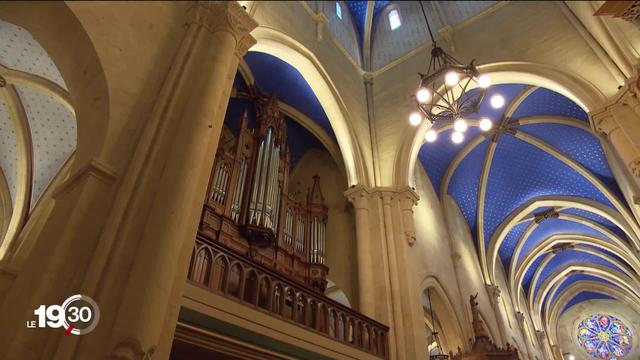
<point x="394" y="19"/>
<point x="338" y="10"/>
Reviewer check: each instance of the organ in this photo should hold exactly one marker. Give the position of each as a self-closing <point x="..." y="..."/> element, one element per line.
<point x="249" y="209"/>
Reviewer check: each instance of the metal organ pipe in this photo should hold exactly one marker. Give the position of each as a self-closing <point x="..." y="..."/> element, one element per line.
<point x="237" y="195"/>
<point x="255" y="186"/>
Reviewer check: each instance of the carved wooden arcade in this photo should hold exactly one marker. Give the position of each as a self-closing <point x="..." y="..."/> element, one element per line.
<point x="249" y="209"/>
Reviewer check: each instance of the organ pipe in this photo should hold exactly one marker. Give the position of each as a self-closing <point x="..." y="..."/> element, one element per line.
<point x="266" y="221"/>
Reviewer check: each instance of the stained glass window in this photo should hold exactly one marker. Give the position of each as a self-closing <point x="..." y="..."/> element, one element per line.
<point x="338" y="10"/>
<point x="605" y="337"/>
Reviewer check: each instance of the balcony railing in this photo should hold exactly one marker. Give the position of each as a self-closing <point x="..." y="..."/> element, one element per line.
<point x="229" y="274"/>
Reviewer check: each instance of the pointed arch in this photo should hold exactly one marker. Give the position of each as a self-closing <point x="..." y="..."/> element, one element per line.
<point x="282" y="46"/>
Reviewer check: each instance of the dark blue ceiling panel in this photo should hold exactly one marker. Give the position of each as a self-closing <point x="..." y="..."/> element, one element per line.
<point x="584" y="296"/>
<point x="436" y="156"/>
<point x="358" y="10"/>
<point x="556" y="226"/>
<point x="300" y="141"/>
<point x="528" y="276"/>
<point x="465" y="188"/>
<point x="546" y="102"/>
<point x="597" y="218"/>
<point x="508" y="91"/>
<point x="520" y="172"/>
<point x="235" y="110"/>
<point x="570" y="257"/>
<point x="578" y="144"/>
<point x="510" y="241"/>
<point x="274" y="75"/>
<point x="578" y="277"/>
<point x="239" y="83"/>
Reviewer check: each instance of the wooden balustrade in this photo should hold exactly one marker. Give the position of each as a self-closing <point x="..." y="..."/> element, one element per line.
<point x="223" y="271"/>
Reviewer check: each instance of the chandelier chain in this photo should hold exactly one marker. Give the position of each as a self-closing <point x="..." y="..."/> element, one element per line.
<point x="428" y="26"/>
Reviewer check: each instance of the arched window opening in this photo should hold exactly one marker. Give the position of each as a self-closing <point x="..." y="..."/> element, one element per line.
<point x="263" y="293"/>
<point x="202" y="267"/>
<point x="313" y="314"/>
<point x="288" y="304"/>
<point x="235" y="277"/>
<point x="300" y="308"/>
<point x="250" y="287"/>
<point x="219" y="273"/>
<point x="277" y="299"/>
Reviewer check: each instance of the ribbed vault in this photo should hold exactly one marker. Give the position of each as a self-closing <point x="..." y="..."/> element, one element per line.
<point x="37" y="127"/>
<point x="541" y="201"/>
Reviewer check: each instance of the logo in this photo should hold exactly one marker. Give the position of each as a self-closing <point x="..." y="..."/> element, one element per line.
<point x="78" y="315"/>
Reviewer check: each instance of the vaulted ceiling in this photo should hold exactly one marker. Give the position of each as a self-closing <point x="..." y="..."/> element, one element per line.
<point x="379" y="45"/>
<point x="37" y="123"/>
<point x="540" y="199"/>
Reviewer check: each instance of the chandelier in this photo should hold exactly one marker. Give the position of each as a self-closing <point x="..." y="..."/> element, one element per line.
<point x="443" y="97"/>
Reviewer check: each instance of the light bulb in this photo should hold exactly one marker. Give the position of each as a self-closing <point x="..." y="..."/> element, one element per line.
<point x="431" y="135"/>
<point x="451" y="78"/>
<point x="457" y="137"/>
<point x="485" y="124"/>
<point x="423" y="95"/>
<point x="571" y="357"/>
<point x="415" y="119"/>
<point x="460" y="125"/>
<point x="497" y="101"/>
<point x="484" y="81"/>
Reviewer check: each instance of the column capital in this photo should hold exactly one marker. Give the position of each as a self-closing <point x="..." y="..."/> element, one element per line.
<point x="226" y="16"/>
<point x="605" y="123"/>
<point x="359" y="196"/>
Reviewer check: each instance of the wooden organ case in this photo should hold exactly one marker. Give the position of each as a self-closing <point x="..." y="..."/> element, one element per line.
<point x="248" y="208"/>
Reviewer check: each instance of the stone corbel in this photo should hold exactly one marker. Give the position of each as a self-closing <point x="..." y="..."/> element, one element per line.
<point x="408" y="198"/>
<point x="494" y="294"/>
<point x="520" y="318"/>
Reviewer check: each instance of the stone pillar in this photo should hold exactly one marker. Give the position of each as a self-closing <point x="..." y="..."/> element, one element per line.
<point x="525" y="334"/>
<point x="543" y="341"/>
<point x="494" y="297"/>
<point x="216" y="39"/>
<point x="125" y="238"/>
<point x="384" y="230"/>
<point x="359" y="198"/>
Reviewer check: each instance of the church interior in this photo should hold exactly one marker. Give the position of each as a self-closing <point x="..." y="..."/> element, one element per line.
<point x="320" y="180"/>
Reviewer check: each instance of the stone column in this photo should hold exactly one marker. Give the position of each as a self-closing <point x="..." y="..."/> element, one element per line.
<point x="543" y="341"/>
<point x="494" y="297"/>
<point x="125" y="238"/>
<point x="359" y="198"/>
<point x="525" y="334"/>
<point x="384" y="229"/>
<point x="216" y="39"/>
